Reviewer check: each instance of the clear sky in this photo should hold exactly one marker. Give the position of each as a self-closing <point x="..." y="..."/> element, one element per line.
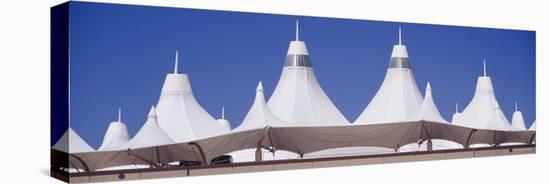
<point x="120" y="55"/>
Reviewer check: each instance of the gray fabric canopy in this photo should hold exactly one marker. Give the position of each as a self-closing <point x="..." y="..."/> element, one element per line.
<point x="154" y="156"/>
<point x="301" y="140"/>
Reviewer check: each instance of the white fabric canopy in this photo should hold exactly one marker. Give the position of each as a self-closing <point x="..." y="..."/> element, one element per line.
<point x="533" y="126"/>
<point x="428" y="110"/>
<point x="483" y="111"/>
<point x="398" y="98"/>
<point x="180" y="115"/>
<point x="224" y="122"/>
<point x="300" y="119"/>
<point x="259" y="116"/>
<point x="149" y="135"/>
<point x="298" y="98"/>
<point x="71" y="142"/>
<point x="115" y="136"/>
<point x="517" y="120"/>
<point x="456" y="115"/>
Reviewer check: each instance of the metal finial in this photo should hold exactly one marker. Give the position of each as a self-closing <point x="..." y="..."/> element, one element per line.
<point x="484" y="68"/>
<point x="400" y="43"/>
<point x="297" y="30"/>
<point x="223" y="112"/>
<point x="176" y="63"/>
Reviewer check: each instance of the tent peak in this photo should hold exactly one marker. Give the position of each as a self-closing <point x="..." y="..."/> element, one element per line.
<point x="400" y="50"/>
<point x="260" y="87"/>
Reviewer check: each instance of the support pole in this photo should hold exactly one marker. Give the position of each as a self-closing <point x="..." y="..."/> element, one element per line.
<point x="532" y="138"/>
<point x="470" y="138"/>
<point x="74" y="166"/>
<point x="203" y="156"/>
<point x="495" y="142"/>
<point x="271" y="148"/>
<point x="151" y="163"/>
<point x="430" y="146"/>
<point x="158" y="154"/>
<point x="258" y="154"/>
<point x="86" y="168"/>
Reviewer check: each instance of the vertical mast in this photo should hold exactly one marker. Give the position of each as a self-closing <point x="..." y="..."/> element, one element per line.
<point x="297" y="31"/>
<point x="484" y="69"/>
<point x="223" y="112"/>
<point x="176" y="63"/>
<point x="119" y="115"/>
<point x="456" y="107"/>
<point x="400" y="43"/>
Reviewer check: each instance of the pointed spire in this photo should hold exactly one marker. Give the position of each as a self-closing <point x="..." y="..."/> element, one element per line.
<point x="400" y="43"/>
<point x="516" y="107"/>
<point x="297" y="31"/>
<point x="260" y="87"/>
<point x="223" y="112"/>
<point x="484" y="69"/>
<point x="152" y="112"/>
<point x="176" y="63"/>
<point x="428" y="87"/>
<point x="456" y="107"/>
<point x="119" y="115"/>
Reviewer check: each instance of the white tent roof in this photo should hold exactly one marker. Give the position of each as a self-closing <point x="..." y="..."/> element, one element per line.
<point x="456" y="115"/>
<point x="428" y="110"/>
<point x="179" y="113"/>
<point x="483" y="112"/>
<point x="517" y="120"/>
<point x="298" y="97"/>
<point x="71" y="142"/>
<point x="398" y="98"/>
<point x="149" y="135"/>
<point x="499" y="120"/>
<point x="116" y="134"/>
<point x="224" y="122"/>
<point x="259" y="116"/>
<point x="533" y="126"/>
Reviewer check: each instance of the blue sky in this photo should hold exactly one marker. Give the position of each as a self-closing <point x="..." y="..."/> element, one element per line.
<point x="120" y="55"/>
